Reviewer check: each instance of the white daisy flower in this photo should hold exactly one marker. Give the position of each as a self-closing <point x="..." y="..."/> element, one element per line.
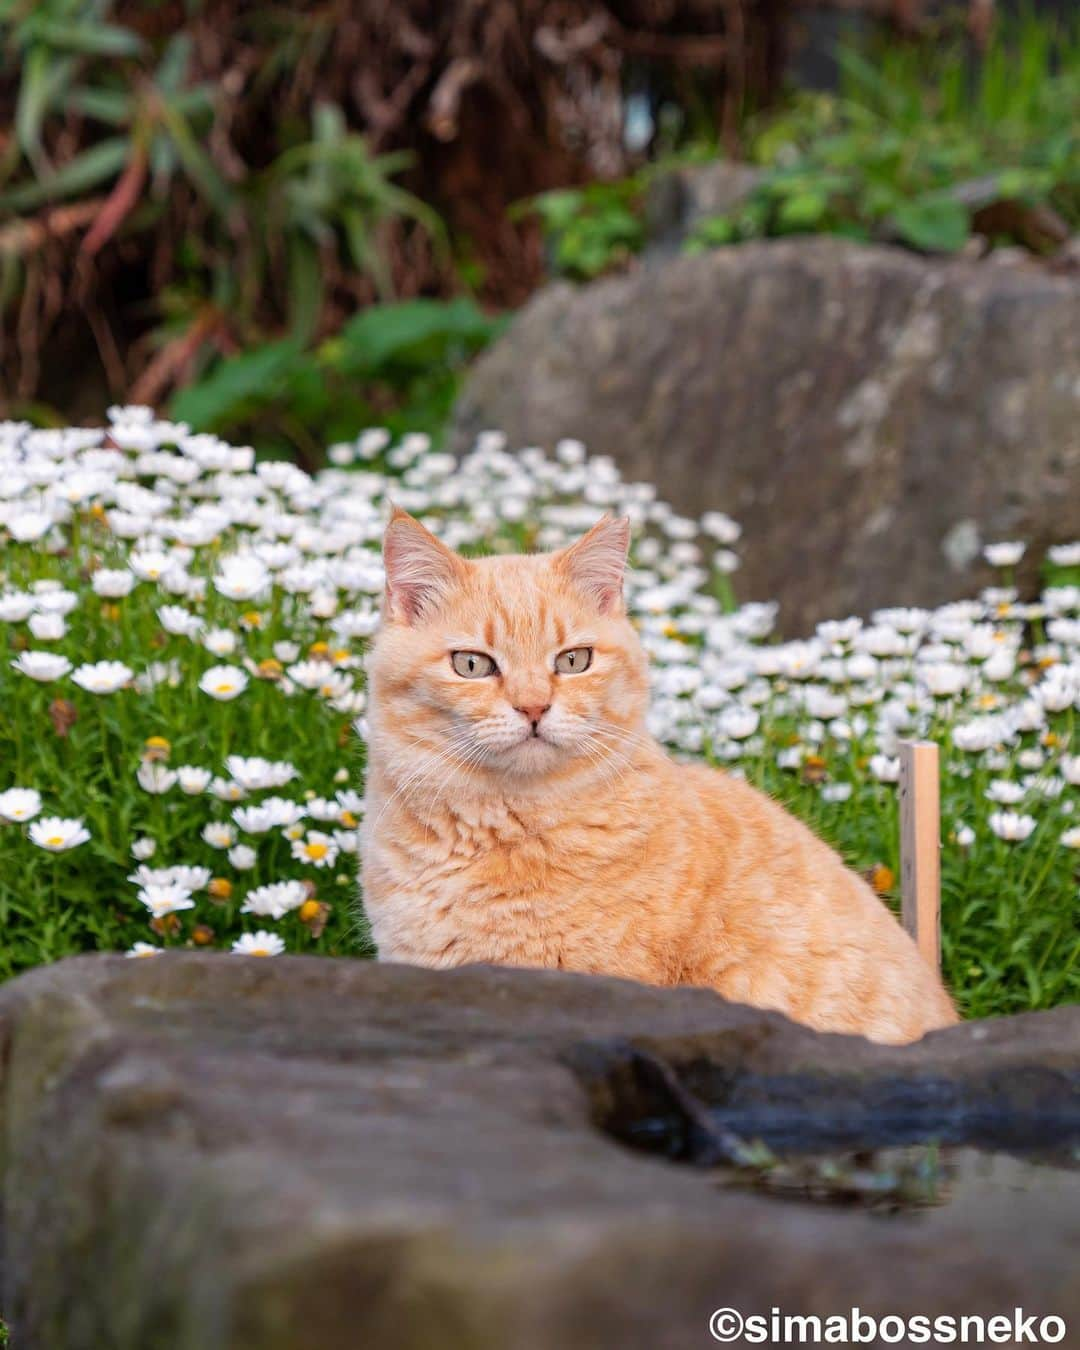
<point x="885" y="768"/>
<point x="259" y="943"/>
<point x="140" y="949"/>
<point x="47" y="627"/>
<point x="243" y="857"/>
<point x="220" y="641"/>
<point x="113" y="585"/>
<point x="224" y="682"/>
<point x="155" y="777"/>
<point x="193" y="779"/>
<point x="322" y="808"/>
<point x="57" y="834"/>
<point x="738" y="723"/>
<point x="165" y="899"/>
<point x="15" y="606"/>
<point x="256" y="774"/>
<point x="275" y="900"/>
<point x="284" y="811"/>
<point x="42" y="666"/>
<point x="218" y="834"/>
<point x="1006" y="554"/>
<point x="315" y="848"/>
<point x="1012" y="826"/>
<point x="148" y="564"/>
<point x="1064" y="555"/>
<point x="102" y="677"/>
<point x="18" y="805"/>
<point x="190" y="878"/>
<point x="242" y="577"/>
<point x="179" y="621"/>
<point x="254" y="819"/>
<point x="29" y="526"/>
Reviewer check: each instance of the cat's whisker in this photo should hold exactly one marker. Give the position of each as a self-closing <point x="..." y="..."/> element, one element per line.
<point x="475" y="756"/>
<point x="415" y="778"/>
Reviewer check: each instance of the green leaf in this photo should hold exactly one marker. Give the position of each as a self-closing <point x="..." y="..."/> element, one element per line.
<point x="196" y="163"/>
<point x="803" y="211"/>
<point x="933" y="224"/>
<point x="305" y="288"/>
<point x="88" y="39"/>
<point x="384" y="333"/>
<point x="236" y="384"/>
<point x="43" y="76"/>
<point x="712" y="232"/>
<point x="111" y="106"/>
<point x="88" y="170"/>
<point x="555" y="209"/>
<point x="172" y="67"/>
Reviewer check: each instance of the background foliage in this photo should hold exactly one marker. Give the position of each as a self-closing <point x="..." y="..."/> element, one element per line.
<point x="284" y="224"/>
<point x="180" y="183"/>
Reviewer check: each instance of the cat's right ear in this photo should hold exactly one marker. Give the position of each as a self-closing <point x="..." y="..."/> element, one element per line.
<point x="420" y="569"/>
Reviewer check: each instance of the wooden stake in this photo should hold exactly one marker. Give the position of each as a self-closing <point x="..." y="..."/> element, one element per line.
<point x="920" y="847"/>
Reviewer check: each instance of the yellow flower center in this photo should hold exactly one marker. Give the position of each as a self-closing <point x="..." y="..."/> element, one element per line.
<point x="316" y="851"/>
<point x="224" y="688"/>
<point x="55" y="840"/>
<point x="258" y="951"/>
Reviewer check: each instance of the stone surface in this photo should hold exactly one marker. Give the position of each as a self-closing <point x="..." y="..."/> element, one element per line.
<point x="870" y="417"/>
<point x="683" y="197"/>
<point x="202" y="1152"/>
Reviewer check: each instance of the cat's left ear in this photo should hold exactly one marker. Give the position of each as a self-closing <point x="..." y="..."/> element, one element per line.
<point x="420" y="569"/>
<point x="597" y="562"/>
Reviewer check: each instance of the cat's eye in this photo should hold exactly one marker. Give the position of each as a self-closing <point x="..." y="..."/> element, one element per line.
<point x="574" y="661"/>
<point x="472" y="665"/>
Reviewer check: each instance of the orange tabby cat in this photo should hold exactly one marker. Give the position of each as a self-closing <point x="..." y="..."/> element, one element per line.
<point x="517" y="811"/>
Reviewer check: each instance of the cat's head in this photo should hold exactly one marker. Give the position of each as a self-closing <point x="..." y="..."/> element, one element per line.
<point x="516" y="667"/>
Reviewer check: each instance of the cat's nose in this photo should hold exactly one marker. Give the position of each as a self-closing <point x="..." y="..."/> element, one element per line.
<point x="534" y="712"/>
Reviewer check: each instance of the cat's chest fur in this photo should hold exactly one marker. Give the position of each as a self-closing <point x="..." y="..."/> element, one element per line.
<point x="488" y="881"/>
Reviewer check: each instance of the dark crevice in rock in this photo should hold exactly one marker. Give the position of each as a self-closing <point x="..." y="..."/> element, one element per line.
<point x="703" y="1113"/>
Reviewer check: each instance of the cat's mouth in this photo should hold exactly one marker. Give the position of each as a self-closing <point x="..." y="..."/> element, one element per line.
<point x="534" y="747"/>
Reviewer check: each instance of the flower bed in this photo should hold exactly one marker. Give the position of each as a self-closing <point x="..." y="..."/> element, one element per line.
<point x="182" y="733"/>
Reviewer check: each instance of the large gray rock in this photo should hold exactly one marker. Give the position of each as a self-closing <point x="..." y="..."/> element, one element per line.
<point x="202" y="1152"/>
<point x="871" y="417"/>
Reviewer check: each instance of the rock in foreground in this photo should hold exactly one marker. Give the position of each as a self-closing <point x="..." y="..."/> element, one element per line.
<point x="203" y="1152"/>
<point x="869" y="416"/>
